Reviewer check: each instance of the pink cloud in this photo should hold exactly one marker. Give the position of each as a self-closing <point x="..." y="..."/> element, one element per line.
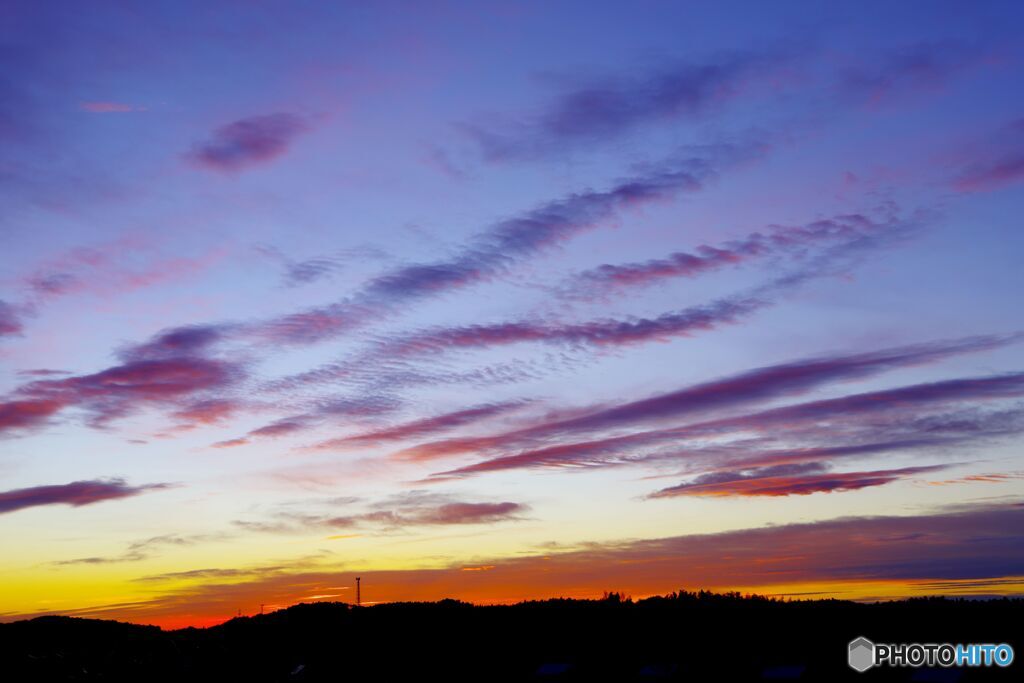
<point x="127" y="264"/>
<point x="108" y="107"/>
<point x="170" y="370"/>
<point x="27" y="413"/>
<point x="993" y="175"/>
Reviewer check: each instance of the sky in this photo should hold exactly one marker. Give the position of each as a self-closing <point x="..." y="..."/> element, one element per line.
<point x="500" y="301"/>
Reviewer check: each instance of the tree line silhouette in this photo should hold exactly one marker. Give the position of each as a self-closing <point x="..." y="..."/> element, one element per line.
<point x="684" y="635"/>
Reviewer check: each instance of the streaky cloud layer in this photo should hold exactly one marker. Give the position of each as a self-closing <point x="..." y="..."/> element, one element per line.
<point x="903" y="400"/>
<point x="776" y="381"/>
<point x="76" y="494"/>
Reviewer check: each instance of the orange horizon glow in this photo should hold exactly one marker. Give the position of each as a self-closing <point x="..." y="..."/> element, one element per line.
<point x="867" y="591"/>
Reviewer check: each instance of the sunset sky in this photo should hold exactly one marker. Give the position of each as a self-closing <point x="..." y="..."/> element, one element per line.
<point x="500" y="301"/>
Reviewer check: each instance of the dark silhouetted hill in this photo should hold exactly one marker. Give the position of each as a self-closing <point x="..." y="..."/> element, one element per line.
<point x="683" y="636"/>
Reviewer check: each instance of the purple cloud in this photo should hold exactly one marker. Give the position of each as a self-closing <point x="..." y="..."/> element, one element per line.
<point x="422" y="427"/>
<point x="999" y="162"/>
<point x="445" y="514"/>
<point x="144" y="549"/>
<point x="830" y="414"/>
<point x="788" y="480"/>
<point x="595" y="333"/>
<point x="206" y="411"/>
<point x="248" y="142"/>
<point x="917" y="68"/>
<point x="857" y="237"/>
<point x="777" y="240"/>
<point x="606" y="109"/>
<point x="760" y="384"/>
<point x="503" y="245"/>
<point x="42" y="372"/>
<point x="356" y="408"/>
<point x="24" y="414"/>
<point x="609" y="108"/>
<point x="76" y="494"/>
<point x="413" y="509"/>
<point x="10" y="320"/>
<point x="170" y="370"/>
<point x="189" y="340"/>
<point x="747" y="456"/>
<point x="310" y="270"/>
<point x="993" y="175"/>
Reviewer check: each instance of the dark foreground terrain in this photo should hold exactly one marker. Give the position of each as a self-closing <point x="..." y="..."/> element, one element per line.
<point x="684" y="636"/>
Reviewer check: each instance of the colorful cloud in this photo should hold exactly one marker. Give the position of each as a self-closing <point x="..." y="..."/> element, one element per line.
<point x="75" y="494"/>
